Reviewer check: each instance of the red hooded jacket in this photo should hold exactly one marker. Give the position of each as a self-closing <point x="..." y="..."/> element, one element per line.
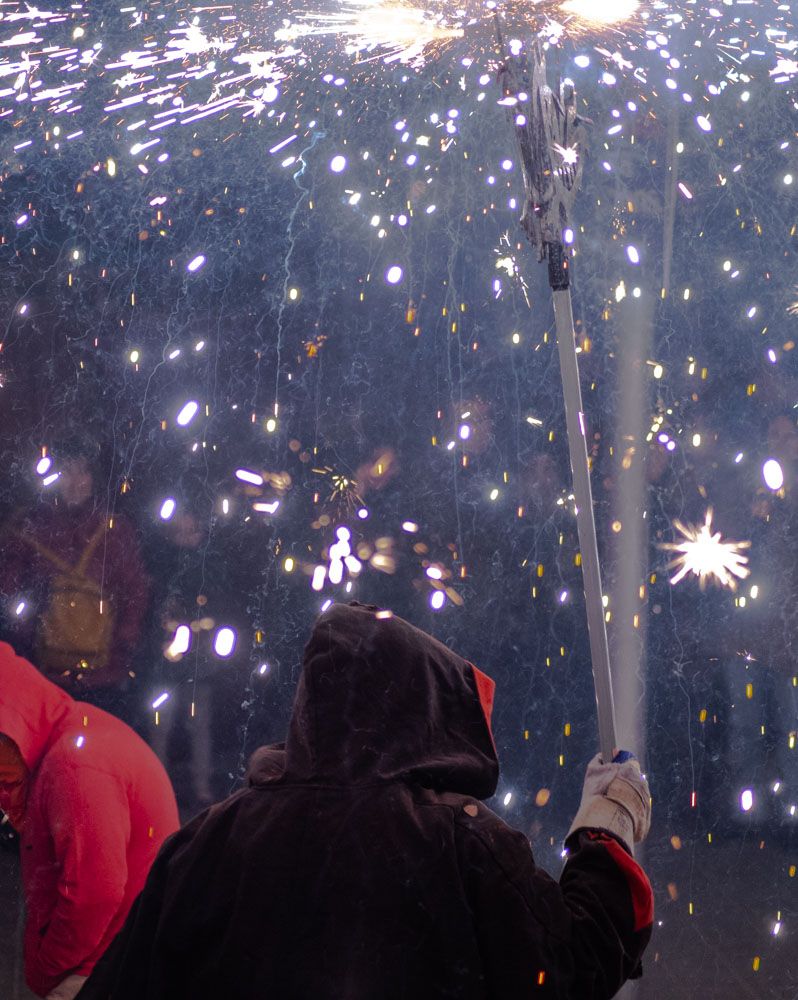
<point x="360" y="864"/>
<point x="94" y="806"/>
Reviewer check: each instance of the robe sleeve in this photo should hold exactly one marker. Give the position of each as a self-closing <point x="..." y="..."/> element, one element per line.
<point x="579" y="938"/>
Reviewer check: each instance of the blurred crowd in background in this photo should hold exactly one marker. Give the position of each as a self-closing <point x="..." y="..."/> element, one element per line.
<point x="153" y="613"/>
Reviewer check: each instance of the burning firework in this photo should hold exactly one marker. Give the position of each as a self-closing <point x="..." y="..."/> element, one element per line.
<point x="392" y="29"/>
<point x="705" y="555"/>
<point x="609" y="12"/>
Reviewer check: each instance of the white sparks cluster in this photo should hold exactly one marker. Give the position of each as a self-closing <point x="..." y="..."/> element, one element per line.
<point x="609" y="12"/>
<point x="391" y="30"/>
<point x="705" y="555"/>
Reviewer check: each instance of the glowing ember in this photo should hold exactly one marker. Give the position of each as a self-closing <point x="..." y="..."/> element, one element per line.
<point x="773" y="474"/>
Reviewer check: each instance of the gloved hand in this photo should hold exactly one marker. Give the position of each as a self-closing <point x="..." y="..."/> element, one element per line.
<point x="67" y="989"/>
<point x="616" y="798"/>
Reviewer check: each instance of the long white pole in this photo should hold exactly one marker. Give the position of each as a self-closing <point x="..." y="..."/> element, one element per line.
<point x="550" y="190"/>
<point x="585" y="519"/>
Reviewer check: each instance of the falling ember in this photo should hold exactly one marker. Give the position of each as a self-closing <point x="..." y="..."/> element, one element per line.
<point x="395" y="30"/>
<point x="773" y="474"/>
<point x="187" y="413"/>
<point x="167" y="509"/>
<point x="224" y="642"/>
<point x="180" y="644"/>
<point x="703" y="554"/>
<point x="253" y="478"/>
<point x="266" y="508"/>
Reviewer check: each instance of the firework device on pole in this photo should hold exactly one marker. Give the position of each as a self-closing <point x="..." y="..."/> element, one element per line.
<point x="551" y="139"/>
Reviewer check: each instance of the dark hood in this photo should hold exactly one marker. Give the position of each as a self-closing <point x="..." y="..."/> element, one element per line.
<point x="380" y="700"/>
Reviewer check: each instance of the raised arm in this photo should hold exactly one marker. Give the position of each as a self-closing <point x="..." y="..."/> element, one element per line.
<point x="577" y="939"/>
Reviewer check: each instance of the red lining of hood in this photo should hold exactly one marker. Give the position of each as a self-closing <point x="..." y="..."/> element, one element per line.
<point x="486" y="689"/>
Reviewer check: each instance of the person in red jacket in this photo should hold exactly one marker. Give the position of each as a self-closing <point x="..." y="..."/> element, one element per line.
<point x="92" y="805"/>
<point x="362" y="864"/>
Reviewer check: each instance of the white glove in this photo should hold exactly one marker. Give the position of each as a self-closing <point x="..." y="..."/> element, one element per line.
<point x="68" y="988"/>
<point x="615" y="798"/>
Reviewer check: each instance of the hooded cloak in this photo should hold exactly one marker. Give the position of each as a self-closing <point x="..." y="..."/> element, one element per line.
<point x="361" y="864"/>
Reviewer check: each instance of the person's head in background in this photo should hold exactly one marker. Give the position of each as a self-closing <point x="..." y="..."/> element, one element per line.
<point x="76" y="461"/>
<point x="545" y="480"/>
<point x="782" y="436"/>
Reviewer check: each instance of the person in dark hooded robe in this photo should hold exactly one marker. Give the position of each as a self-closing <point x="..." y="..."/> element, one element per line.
<point x="360" y="863"/>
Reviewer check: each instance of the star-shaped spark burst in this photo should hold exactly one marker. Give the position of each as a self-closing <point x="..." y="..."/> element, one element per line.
<point x="569" y="154"/>
<point x="703" y="554"/>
